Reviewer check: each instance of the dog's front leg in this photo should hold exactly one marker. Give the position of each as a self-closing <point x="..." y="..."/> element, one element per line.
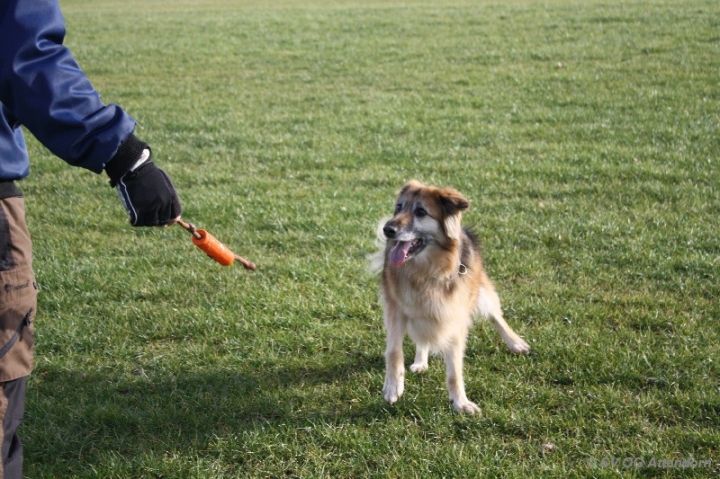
<point x="421" y="358"/>
<point x="394" y="360"/>
<point x="454" y="355"/>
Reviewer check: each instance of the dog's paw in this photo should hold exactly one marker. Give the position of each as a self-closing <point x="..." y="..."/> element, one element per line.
<point x="392" y="390"/>
<point x="518" y="346"/>
<point x="465" y="407"/>
<point x="419" y="367"/>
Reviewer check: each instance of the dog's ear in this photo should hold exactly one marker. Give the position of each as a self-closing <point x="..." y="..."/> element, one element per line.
<point x="453" y="201"/>
<point x="453" y="204"/>
<point x="410" y="185"/>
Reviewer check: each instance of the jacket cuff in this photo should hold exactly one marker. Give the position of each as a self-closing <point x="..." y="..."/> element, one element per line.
<point x="127" y="155"/>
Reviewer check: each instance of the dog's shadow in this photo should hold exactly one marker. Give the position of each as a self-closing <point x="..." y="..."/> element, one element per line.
<point x="71" y="412"/>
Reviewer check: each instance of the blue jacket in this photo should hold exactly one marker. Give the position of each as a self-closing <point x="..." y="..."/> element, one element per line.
<point x="43" y="89"/>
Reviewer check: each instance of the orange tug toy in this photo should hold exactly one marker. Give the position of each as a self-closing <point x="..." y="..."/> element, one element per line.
<point x="214" y="248"/>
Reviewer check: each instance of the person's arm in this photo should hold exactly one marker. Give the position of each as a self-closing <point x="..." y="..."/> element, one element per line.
<point x="42" y="84"/>
<point x="47" y="92"/>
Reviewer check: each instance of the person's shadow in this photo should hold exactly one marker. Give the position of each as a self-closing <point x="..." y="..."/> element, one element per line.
<point x="74" y="420"/>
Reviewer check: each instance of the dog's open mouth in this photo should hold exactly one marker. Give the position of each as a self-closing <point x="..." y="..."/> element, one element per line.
<point x="404" y="250"/>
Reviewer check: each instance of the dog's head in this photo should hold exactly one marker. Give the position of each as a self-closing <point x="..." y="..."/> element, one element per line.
<point x="425" y="216"/>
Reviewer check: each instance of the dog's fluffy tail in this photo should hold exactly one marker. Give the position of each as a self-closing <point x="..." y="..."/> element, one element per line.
<point x="376" y="260"/>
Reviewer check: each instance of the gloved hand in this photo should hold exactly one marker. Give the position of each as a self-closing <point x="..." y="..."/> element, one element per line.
<point x="145" y="190"/>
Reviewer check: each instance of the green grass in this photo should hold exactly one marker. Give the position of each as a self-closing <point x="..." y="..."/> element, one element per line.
<point x="586" y="135"/>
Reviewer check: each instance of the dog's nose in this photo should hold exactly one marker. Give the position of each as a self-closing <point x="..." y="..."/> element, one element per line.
<point x="389" y="230"/>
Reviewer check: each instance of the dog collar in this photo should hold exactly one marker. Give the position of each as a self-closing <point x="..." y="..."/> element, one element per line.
<point x="462" y="269"/>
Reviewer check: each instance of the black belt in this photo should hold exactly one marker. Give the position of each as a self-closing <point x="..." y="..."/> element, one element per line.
<point x="8" y="189"/>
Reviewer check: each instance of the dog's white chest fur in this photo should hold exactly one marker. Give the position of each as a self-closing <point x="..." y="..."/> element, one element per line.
<point x="434" y="315"/>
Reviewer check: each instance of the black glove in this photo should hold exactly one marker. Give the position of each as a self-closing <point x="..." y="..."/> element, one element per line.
<point x="145" y="190"/>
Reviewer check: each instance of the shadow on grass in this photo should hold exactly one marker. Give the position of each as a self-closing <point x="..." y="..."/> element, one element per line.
<point x="75" y="418"/>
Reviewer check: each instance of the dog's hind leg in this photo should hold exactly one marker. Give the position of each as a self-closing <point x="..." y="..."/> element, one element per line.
<point x="453" y="356"/>
<point x="421" y="358"/>
<point x="489" y="307"/>
<point x="394" y="360"/>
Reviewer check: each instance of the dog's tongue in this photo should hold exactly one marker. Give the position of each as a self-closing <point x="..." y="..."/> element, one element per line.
<point x="398" y="255"/>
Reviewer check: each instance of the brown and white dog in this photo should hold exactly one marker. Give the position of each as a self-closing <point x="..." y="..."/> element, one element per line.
<point x="433" y="284"/>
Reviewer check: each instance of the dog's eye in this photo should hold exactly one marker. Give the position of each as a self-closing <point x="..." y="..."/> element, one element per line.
<point x="398" y="207"/>
<point x="420" y="212"/>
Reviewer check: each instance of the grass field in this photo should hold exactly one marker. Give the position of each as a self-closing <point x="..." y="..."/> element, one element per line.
<point x="586" y="135"/>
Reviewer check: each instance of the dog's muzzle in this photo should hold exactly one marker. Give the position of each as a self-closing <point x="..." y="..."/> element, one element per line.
<point x="406" y="244"/>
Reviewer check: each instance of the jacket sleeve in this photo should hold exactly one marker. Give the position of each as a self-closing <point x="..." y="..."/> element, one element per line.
<point x="47" y="92"/>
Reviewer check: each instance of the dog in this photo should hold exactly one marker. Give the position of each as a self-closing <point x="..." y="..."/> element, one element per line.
<point x="433" y="283"/>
